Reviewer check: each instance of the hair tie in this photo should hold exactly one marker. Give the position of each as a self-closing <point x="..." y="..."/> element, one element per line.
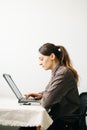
<point x="59" y="49"/>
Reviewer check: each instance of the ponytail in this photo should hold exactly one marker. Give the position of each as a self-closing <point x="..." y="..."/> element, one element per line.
<point x="65" y="60"/>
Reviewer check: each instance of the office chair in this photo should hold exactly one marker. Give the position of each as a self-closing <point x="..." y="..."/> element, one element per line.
<point x="80" y="118"/>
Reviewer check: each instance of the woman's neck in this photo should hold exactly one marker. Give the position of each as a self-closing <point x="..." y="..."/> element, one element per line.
<point x="55" y="63"/>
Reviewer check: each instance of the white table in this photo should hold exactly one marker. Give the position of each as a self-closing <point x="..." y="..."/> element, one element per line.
<point x="14" y="114"/>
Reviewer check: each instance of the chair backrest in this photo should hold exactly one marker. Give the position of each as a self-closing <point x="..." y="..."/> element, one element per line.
<point x="83" y="109"/>
<point x="83" y="102"/>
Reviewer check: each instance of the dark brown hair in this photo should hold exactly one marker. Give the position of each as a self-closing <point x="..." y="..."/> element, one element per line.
<point x="61" y="53"/>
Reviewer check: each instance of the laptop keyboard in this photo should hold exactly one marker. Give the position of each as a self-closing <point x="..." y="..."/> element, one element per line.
<point x="31" y="99"/>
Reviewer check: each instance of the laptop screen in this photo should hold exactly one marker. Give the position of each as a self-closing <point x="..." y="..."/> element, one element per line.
<point x="12" y="85"/>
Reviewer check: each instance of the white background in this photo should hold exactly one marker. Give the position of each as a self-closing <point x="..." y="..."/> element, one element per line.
<point x="27" y="24"/>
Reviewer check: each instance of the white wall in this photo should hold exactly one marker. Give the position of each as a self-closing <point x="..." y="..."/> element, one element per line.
<point x="27" y="24"/>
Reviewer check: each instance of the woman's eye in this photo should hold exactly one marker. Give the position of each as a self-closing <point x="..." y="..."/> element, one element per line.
<point x="41" y="59"/>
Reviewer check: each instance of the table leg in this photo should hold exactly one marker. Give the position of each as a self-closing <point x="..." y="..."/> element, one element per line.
<point x="38" y="127"/>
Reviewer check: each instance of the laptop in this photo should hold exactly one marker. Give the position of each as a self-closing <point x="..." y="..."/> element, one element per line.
<point x="18" y="94"/>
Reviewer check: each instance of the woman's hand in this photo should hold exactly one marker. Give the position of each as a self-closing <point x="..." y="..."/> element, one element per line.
<point x="35" y="95"/>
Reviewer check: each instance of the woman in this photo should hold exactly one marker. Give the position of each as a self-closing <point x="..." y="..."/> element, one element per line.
<point x="60" y="96"/>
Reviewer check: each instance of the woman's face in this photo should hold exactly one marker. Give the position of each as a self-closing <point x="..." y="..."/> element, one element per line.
<point x="45" y="61"/>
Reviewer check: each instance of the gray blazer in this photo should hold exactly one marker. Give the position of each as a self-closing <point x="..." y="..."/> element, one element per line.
<point x="61" y="95"/>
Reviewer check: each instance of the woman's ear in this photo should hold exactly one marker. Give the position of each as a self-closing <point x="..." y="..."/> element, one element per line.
<point x="52" y="56"/>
